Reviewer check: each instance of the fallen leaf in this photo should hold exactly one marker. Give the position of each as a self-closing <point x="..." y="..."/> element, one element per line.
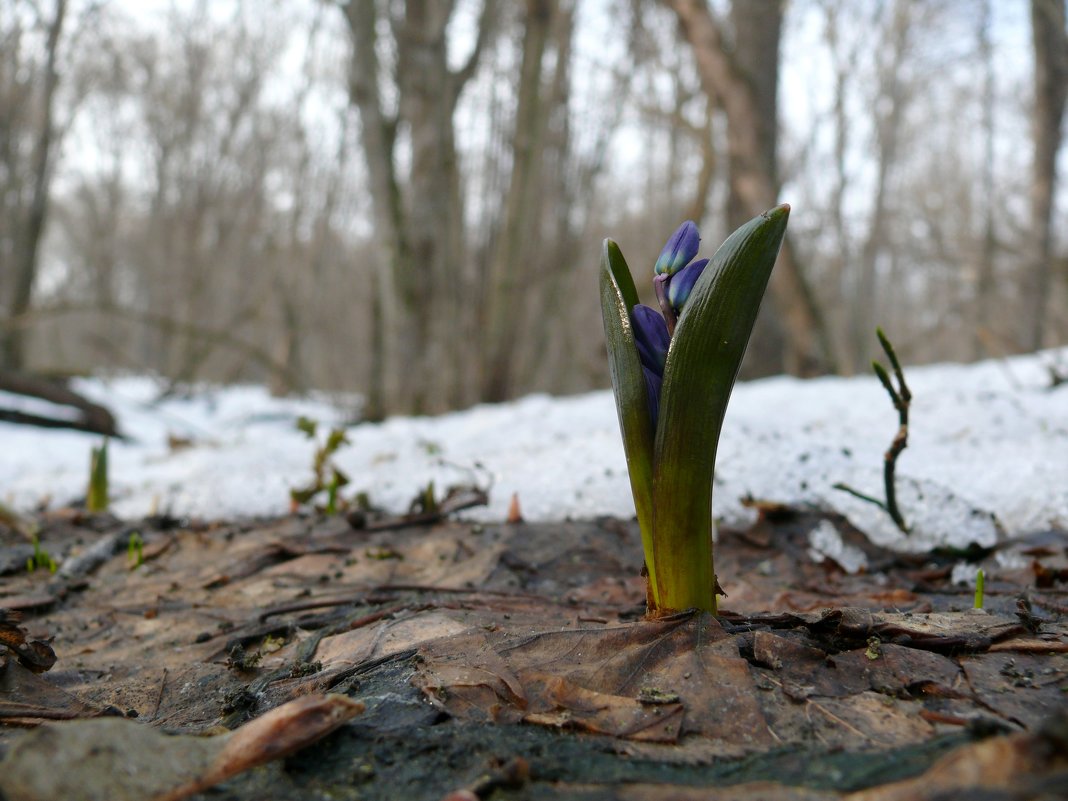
<point x="595" y="679"/>
<point x="25" y="696"/>
<point x="1025" y="762"/>
<point x="36" y="655"/>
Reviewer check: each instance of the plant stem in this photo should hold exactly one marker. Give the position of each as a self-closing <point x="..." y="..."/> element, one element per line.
<point x="858" y="494"/>
<point x="901" y="399"/>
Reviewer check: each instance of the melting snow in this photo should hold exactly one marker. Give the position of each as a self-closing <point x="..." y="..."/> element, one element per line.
<point x="987" y="455"/>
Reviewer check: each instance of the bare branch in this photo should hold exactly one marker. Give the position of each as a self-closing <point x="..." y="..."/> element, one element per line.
<point x="487" y="24"/>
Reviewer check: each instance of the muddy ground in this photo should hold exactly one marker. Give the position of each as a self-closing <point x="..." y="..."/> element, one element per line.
<point x="513" y="661"/>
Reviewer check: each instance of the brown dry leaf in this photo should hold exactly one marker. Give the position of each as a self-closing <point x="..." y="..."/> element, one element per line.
<point x="120" y="759"/>
<point x="471" y="680"/>
<point x="1038" y="684"/>
<point x="801" y="668"/>
<point x="36" y="655"/>
<point x="25" y="696"/>
<point x="895" y="668"/>
<point x="1026" y="762"/>
<point x="650" y="680"/>
<point x="872" y="719"/>
<point x="575" y="707"/>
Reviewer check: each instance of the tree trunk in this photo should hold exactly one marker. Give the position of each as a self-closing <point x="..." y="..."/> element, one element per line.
<point x="377" y="137"/>
<point x="421" y="222"/>
<point x="757" y="29"/>
<point x="891" y="100"/>
<point x="987" y="242"/>
<point x="26" y="255"/>
<point x="752" y="145"/>
<point x="432" y="283"/>
<point x="753" y="182"/>
<point x="514" y="258"/>
<point x="1051" y="82"/>
<point x="567" y="186"/>
<point x="699" y="204"/>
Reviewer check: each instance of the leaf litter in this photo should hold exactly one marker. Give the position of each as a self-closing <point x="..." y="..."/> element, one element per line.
<point x="481" y="641"/>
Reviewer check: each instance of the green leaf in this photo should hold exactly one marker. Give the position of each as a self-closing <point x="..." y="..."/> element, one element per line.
<point x="618" y="297"/>
<point x="702" y="364"/>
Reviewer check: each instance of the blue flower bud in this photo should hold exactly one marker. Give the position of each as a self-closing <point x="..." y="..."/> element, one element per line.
<point x="651" y="336"/>
<point x="682" y="283"/>
<point x="679" y="250"/>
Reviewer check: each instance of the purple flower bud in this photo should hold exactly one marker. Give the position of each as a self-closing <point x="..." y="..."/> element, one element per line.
<point x="651" y="336"/>
<point x="653" y="382"/>
<point x="682" y="283"/>
<point x="679" y="250"/>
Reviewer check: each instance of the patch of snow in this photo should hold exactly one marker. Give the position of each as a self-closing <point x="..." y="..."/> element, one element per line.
<point x="826" y="543"/>
<point x="987" y="455"/>
<point x="965" y="574"/>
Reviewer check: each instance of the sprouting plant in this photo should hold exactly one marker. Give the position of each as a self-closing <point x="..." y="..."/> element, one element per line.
<point x="135" y="550"/>
<point x="425" y="501"/>
<point x="901" y="397"/>
<point x="980" y="580"/>
<point x="40" y="558"/>
<point x="96" y="499"/>
<point x="672" y="373"/>
<point x="328" y="477"/>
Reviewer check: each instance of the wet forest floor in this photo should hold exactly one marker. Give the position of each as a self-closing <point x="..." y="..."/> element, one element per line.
<point x="514" y="661"/>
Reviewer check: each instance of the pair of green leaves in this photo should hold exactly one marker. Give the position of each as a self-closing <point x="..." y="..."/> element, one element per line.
<point x="671" y="468"/>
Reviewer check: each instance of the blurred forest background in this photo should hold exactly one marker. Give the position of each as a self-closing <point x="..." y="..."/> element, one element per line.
<point x="407" y="199"/>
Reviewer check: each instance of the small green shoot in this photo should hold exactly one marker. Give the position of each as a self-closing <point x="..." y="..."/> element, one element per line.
<point x="96" y="499"/>
<point x="426" y="502"/>
<point x="135" y="550"/>
<point x="331" y="493"/>
<point x="901" y="397"/>
<point x="672" y="374"/>
<point x="980" y="581"/>
<point x="40" y="559"/>
<point x="327" y="477"/>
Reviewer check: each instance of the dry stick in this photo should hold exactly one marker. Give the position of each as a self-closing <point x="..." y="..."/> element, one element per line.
<point x="901" y="399"/>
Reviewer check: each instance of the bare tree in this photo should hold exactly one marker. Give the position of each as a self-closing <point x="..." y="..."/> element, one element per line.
<point x="29" y="112"/>
<point x="420" y="220"/>
<point x="1050" y="42"/>
<point x="988" y="243"/>
<point x="745" y="97"/>
<point x="889" y="104"/>
<point x="510" y="269"/>
<point x="844" y="53"/>
<point x="409" y="202"/>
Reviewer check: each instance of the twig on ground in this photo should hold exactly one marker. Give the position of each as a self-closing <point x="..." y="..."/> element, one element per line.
<point x="901" y="398"/>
